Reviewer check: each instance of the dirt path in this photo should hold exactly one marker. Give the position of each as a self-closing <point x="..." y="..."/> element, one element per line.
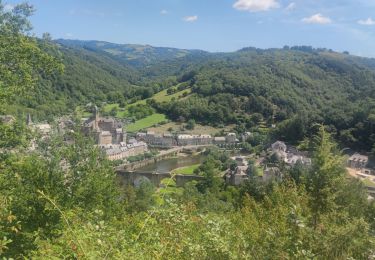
<point x="357" y="174"/>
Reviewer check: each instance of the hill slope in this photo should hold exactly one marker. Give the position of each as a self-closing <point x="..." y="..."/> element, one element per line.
<point x="292" y="88"/>
<point x="88" y="77"/>
<point x="133" y="54"/>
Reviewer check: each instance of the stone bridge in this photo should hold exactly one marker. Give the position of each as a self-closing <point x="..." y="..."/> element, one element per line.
<point x="164" y="154"/>
<point x="135" y="178"/>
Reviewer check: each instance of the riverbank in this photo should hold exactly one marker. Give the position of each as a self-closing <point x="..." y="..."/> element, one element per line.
<point x="187" y="170"/>
<point x="164" y="155"/>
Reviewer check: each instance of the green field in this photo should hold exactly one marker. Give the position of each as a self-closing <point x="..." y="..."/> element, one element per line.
<point x="82" y="113"/>
<point x="161" y="96"/>
<point x="146" y="122"/>
<point x="109" y="107"/>
<point x="368" y="183"/>
<point x="164" y="97"/>
<point x="187" y="170"/>
<point x="198" y="129"/>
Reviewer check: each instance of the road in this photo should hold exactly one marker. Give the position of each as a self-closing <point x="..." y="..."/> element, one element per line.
<point x="357" y="174"/>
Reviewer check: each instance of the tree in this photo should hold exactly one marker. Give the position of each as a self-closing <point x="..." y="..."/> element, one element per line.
<point x="113" y="111"/>
<point x="73" y="176"/>
<point x="22" y="59"/>
<point x="211" y="182"/>
<point x="171" y="91"/>
<point x="14" y="135"/>
<point x="190" y="124"/>
<point x="298" y="172"/>
<point x="144" y="198"/>
<point x="252" y="170"/>
<point x="326" y="175"/>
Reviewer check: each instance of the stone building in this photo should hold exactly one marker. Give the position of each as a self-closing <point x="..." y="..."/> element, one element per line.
<point x="289" y="154"/>
<point x="272" y="174"/>
<point x="219" y="140"/>
<point x="158" y="140"/>
<point x="279" y="146"/>
<point x="245" y="136"/>
<point x="293" y="159"/>
<point x="122" y="151"/>
<point x="231" y="138"/>
<point x="357" y="161"/>
<point x="185" y="140"/>
<point x="239" y="174"/>
<point x="44" y="129"/>
<point x="368" y="171"/>
<point x="241" y="161"/>
<point x="104" y="130"/>
<point x="168" y="140"/>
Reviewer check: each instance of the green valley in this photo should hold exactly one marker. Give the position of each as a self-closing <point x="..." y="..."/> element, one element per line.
<point x="130" y="151"/>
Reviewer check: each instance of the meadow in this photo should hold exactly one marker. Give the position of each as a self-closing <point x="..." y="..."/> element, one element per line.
<point x="146" y="122"/>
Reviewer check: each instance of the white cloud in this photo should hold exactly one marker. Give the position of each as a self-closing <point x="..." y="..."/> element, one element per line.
<point x="8" y="7"/>
<point x="190" y="19"/>
<point x="317" y="19"/>
<point x="89" y="12"/>
<point x="368" y="21"/>
<point x="290" y="6"/>
<point x="69" y="35"/>
<point x="163" y="12"/>
<point x="255" y="5"/>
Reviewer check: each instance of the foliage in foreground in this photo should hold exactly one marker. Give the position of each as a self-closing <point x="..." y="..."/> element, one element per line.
<point x="48" y="212"/>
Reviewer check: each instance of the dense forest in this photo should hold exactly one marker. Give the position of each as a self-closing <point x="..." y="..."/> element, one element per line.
<point x="292" y="88"/>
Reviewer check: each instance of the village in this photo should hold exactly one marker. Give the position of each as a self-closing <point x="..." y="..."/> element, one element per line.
<point x="109" y="135"/>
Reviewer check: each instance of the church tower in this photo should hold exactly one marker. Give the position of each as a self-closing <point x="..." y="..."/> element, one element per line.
<point x="96" y="118"/>
<point x="29" y="122"/>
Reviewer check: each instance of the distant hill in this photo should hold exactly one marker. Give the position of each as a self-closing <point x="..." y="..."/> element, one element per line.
<point x="133" y="54"/>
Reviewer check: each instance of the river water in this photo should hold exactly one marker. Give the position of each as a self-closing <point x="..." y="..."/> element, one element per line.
<point x="171" y="164"/>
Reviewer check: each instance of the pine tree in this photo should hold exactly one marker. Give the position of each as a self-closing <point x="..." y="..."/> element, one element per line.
<point x="326" y="175"/>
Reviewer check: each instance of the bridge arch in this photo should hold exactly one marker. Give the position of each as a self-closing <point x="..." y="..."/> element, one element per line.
<point x="139" y="180"/>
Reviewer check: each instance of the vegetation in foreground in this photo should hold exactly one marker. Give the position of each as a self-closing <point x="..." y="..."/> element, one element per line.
<point x="49" y="211"/>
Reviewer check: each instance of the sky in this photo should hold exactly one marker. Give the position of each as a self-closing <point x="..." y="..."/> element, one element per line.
<point x="212" y="25"/>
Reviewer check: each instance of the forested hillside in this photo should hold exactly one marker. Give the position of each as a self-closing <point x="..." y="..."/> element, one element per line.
<point x="88" y="77"/>
<point x="291" y="87"/>
<point x="93" y="75"/>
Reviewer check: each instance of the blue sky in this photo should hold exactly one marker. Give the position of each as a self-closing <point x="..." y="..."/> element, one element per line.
<point x="213" y="25"/>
